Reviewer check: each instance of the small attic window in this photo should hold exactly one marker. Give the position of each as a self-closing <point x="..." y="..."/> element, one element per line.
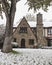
<point x="23" y="30"/>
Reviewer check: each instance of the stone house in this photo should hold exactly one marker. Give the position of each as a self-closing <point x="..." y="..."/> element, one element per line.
<point x="24" y="35"/>
<point x="29" y="37"/>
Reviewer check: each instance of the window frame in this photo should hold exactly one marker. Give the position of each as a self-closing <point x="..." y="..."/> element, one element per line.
<point x="23" y="30"/>
<point x="31" y="41"/>
<point x="14" y="40"/>
<point x="49" y="31"/>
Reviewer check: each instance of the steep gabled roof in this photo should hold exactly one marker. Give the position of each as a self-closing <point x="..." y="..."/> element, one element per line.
<point x="22" y="21"/>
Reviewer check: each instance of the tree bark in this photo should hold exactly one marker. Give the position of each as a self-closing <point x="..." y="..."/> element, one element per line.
<point x="7" y="47"/>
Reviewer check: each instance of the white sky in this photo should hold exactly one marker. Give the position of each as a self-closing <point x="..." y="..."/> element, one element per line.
<point x="22" y="10"/>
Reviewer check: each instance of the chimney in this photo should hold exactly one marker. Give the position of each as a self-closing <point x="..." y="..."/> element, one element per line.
<point x="39" y="19"/>
<point x="39" y="28"/>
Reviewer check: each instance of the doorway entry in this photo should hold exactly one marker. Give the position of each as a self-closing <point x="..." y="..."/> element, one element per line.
<point x="22" y="43"/>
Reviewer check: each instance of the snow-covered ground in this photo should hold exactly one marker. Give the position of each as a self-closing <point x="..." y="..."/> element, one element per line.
<point x="27" y="57"/>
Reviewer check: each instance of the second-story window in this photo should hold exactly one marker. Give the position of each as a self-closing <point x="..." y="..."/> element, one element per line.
<point x="23" y="30"/>
<point x="49" y="31"/>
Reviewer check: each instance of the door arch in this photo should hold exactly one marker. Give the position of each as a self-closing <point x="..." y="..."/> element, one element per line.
<point x="22" y="43"/>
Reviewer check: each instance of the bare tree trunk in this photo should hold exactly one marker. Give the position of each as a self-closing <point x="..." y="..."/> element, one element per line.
<point x="7" y="47"/>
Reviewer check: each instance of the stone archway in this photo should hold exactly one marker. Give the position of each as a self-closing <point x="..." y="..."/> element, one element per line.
<point x="22" y="43"/>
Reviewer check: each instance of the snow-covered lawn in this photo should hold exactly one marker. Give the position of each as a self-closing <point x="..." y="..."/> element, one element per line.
<point x="27" y="57"/>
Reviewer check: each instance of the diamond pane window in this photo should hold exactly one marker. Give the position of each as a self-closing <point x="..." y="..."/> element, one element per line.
<point x="23" y="30"/>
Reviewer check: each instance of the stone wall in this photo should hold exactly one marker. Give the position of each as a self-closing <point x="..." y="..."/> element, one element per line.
<point x="29" y="35"/>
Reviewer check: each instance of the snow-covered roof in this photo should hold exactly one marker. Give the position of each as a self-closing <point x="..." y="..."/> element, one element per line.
<point x="45" y="24"/>
<point x="33" y="24"/>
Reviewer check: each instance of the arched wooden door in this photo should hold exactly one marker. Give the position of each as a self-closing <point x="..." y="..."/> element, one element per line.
<point x="22" y="43"/>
